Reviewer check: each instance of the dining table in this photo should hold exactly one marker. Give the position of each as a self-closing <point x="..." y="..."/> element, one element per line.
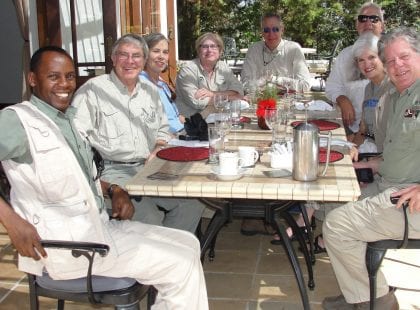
<point x="254" y="193"/>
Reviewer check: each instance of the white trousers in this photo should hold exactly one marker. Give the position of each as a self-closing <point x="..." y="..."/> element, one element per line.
<point x="168" y="259"/>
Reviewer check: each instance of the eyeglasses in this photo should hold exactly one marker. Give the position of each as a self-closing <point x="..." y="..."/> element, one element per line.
<point x="209" y="46"/>
<point x="364" y="18"/>
<point x="273" y="29"/>
<point x="125" y="56"/>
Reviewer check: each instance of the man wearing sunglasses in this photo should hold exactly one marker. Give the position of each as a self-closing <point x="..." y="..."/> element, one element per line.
<point x="344" y="85"/>
<point x="284" y="59"/>
<point x="276" y="60"/>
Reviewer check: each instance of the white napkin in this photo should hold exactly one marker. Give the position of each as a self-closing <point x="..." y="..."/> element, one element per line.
<point x="192" y="143"/>
<point x="337" y="142"/>
<point x="368" y="147"/>
<point x="211" y="118"/>
<point x="244" y="105"/>
<point x="314" y="105"/>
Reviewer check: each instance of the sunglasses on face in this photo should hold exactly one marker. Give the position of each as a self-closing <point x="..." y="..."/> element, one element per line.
<point x="364" y="18"/>
<point x="268" y="29"/>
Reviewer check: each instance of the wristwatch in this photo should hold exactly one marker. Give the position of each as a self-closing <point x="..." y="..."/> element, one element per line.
<point x="110" y="190"/>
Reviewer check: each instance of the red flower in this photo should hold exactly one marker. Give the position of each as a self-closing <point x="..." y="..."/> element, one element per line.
<point x="265" y="104"/>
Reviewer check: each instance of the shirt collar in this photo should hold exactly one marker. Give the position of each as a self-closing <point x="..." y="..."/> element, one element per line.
<point x="120" y="85"/>
<point x="50" y="111"/>
<point x="276" y="50"/>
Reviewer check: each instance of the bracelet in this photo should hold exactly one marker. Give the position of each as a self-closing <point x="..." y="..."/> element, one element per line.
<point x="110" y="190"/>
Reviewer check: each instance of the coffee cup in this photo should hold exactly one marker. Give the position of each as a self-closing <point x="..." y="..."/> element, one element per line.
<point x="249" y="155"/>
<point x="229" y="163"/>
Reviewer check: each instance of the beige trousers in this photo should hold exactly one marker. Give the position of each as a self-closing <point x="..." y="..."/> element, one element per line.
<point x="168" y="259"/>
<point x="348" y="228"/>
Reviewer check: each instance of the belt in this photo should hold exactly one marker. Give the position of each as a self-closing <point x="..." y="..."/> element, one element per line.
<point x="114" y="162"/>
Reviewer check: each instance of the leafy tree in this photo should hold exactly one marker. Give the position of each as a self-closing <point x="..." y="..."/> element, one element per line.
<point x="312" y="23"/>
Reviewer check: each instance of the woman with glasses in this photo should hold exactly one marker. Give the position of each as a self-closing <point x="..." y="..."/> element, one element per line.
<point x="157" y="62"/>
<point x="201" y="79"/>
<point x="284" y="59"/>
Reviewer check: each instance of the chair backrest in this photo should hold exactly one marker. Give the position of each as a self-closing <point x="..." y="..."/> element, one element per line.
<point x="334" y="53"/>
<point x="231" y="51"/>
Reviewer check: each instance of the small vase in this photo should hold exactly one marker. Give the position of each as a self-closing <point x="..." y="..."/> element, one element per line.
<point x="262" y="124"/>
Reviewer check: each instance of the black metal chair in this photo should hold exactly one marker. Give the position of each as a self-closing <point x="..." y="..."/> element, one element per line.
<point x="330" y="57"/>
<point x="376" y="250"/>
<point x="123" y="293"/>
<point x="231" y="55"/>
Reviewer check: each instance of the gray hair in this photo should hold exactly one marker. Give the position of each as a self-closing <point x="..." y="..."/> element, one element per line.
<point x="131" y="38"/>
<point x="366" y="42"/>
<point x="410" y="35"/>
<point x="154" y="38"/>
<point x="272" y="15"/>
<point x="216" y="38"/>
<point x="375" y="6"/>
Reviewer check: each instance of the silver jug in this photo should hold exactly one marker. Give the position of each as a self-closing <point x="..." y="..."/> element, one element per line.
<point x="306" y="152"/>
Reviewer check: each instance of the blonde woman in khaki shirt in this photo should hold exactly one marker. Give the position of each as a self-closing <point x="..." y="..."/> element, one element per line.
<point x="200" y="79"/>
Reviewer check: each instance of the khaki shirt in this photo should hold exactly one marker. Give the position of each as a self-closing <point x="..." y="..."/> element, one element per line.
<point x="286" y="60"/>
<point x="192" y="77"/>
<point x="121" y="126"/>
<point x="402" y="142"/>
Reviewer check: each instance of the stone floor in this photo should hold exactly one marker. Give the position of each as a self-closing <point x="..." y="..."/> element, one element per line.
<point x="248" y="273"/>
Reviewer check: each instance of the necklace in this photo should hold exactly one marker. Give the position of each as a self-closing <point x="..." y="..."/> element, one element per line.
<point x="272" y="56"/>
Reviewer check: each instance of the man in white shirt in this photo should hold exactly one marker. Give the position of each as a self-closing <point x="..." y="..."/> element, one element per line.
<point x="283" y="58"/>
<point x="344" y="85"/>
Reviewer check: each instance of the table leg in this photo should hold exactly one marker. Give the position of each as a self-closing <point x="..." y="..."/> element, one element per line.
<point x="294" y="261"/>
<point x="220" y="218"/>
<point x="299" y="234"/>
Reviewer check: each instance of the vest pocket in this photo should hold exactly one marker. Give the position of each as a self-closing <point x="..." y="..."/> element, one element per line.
<point x="70" y="223"/>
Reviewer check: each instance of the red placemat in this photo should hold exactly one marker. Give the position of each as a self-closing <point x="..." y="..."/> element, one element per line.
<point x="321" y="123"/>
<point x="182" y="153"/>
<point x="334" y="155"/>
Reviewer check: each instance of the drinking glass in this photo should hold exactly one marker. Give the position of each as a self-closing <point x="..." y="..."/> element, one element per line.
<point x="220" y="102"/>
<point x="216" y="144"/>
<point x="280" y="127"/>
<point x="235" y="113"/>
<point x="270" y="116"/>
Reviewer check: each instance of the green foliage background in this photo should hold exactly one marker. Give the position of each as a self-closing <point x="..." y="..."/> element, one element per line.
<point x="312" y="23"/>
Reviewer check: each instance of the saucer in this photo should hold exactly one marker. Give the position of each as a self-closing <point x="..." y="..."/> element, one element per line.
<point x="227" y="177"/>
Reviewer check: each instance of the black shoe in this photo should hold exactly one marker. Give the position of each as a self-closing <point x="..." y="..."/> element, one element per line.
<point x="317" y="248"/>
<point x="292" y="238"/>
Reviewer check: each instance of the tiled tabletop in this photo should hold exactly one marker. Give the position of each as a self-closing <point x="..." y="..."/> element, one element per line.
<point x="196" y="180"/>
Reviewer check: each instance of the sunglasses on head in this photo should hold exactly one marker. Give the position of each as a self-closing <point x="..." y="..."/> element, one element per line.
<point x="364" y="18"/>
<point x="268" y="29"/>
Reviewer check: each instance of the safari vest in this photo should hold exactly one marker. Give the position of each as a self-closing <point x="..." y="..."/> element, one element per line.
<point x="53" y="194"/>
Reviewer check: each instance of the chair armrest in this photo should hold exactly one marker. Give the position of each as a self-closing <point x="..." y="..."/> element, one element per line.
<point x="101" y="249"/>
<point x="79" y="248"/>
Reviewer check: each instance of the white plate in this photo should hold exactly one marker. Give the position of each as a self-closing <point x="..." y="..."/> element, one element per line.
<point x="226" y="177"/>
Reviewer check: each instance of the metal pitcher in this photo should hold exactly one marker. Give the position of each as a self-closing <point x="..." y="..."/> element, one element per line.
<point x="306" y="152"/>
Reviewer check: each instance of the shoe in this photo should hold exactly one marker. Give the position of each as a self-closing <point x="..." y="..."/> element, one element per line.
<point x="386" y="302"/>
<point x="277" y="240"/>
<point x="317" y="248"/>
<point x="251" y="227"/>
<point x="336" y="303"/>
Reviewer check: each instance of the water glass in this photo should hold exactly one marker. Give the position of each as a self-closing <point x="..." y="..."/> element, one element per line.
<point x="216" y="144"/>
<point x="270" y="116"/>
<point x="280" y="127"/>
<point x="235" y="113"/>
<point x="220" y="102"/>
